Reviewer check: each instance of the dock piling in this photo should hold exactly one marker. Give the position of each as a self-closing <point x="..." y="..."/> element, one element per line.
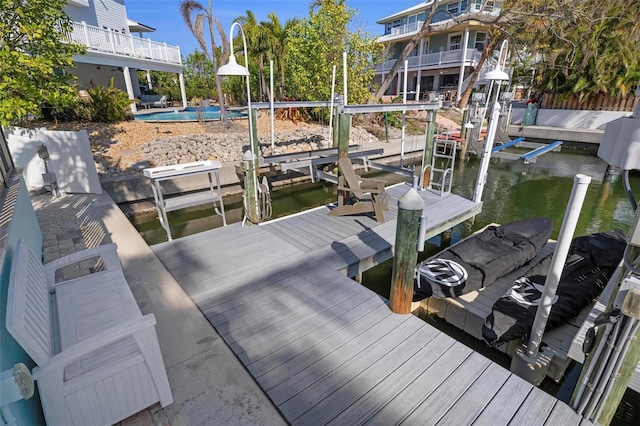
<point x="410" y="207"/>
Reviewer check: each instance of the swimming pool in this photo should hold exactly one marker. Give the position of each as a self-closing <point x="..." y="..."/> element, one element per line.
<point x="189" y="114"/>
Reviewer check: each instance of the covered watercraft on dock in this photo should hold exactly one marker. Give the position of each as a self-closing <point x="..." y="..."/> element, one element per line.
<point x="589" y="265"/>
<point x="479" y="260"/>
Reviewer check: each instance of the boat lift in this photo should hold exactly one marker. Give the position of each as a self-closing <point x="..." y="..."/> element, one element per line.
<point x="528" y="158"/>
<point x="307" y="163"/>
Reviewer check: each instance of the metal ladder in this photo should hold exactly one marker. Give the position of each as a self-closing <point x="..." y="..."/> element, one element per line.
<point x="441" y="179"/>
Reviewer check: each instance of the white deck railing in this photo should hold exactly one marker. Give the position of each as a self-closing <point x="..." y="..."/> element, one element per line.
<point x="102" y="40"/>
<point x="448" y="58"/>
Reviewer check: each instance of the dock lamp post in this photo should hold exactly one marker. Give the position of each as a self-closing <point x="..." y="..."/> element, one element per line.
<point x="233" y="68"/>
<point x="496" y="75"/>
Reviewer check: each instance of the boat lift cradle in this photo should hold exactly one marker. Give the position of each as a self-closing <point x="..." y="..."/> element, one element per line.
<point x="529" y="157"/>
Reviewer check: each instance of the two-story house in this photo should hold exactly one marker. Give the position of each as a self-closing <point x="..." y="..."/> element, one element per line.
<point x="114" y="51"/>
<point x="443" y="60"/>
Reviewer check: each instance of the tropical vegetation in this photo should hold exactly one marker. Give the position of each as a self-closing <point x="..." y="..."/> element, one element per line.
<point x="304" y="52"/>
<point x="33" y="58"/>
<point x="195" y="16"/>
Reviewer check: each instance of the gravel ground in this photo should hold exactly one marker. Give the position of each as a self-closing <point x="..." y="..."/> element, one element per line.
<point x="119" y="146"/>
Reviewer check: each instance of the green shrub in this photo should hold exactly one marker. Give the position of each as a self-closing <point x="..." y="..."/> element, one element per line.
<point x="108" y="104"/>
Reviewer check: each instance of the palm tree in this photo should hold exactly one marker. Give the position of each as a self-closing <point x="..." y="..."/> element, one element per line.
<point x="257" y="47"/>
<point x="197" y="28"/>
<point x="278" y="36"/>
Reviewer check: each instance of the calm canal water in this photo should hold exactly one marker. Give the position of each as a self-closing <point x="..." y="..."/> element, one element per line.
<point x="513" y="191"/>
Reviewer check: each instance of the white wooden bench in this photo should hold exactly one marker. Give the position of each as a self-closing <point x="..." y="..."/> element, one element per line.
<point x="98" y="357"/>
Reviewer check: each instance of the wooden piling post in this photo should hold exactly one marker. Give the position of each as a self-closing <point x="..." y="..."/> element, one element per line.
<point x="431" y="133"/>
<point x="335" y="129"/>
<point x="465" y="118"/>
<point x="344" y="127"/>
<point x="255" y="146"/>
<point x="410" y="207"/>
<point x="250" y="186"/>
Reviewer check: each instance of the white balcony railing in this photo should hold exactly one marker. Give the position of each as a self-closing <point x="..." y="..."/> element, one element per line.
<point x="102" y="40"/>
<point x="445" y="58"/>
<point x="406" y="28"/>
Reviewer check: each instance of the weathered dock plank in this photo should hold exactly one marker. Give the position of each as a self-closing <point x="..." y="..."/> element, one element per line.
<point x="505" y="403"/>
<point x="354" y="389"/>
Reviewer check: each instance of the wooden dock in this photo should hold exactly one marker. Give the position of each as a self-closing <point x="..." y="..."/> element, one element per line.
<point x="327" y="350"/>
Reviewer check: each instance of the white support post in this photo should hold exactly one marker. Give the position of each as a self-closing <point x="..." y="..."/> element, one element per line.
<point x="183" y="92"/>
<point x="129" y="85"/>
<point x="465" y="42"/>
<point x="344" y="76"/>
<point x="149" y="79"/>
<point x="486" y="153"/>
<point x="150" y="48"/>
<point x="86" y="34"/>
<point x="166" y="54"/>
<point x="578" y="193"/>
<point x="113" y="45"/>
<point x="418" y="88"/>
<point x="333" y="94"/>
<point x="404" y="112"/>
<point x="271" y="110"/>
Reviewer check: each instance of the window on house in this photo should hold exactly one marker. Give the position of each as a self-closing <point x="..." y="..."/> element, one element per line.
<point x="452" y="8"/>
<point x="481" y="39"/>
<point x="411" y="23"/>
<point x="425" y="46"/>
<point x="455" y="42"/>
<point x="476" y="5"/>
<point x="463" y="6"/>
<point x="489" y="5"/>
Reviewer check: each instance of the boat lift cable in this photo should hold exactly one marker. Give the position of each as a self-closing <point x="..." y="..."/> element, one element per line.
<point x="627" y="188"/>
<point x="265" y="209"/>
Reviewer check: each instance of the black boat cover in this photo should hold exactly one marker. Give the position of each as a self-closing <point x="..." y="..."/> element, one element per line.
<point x="481" y="259"/>
<point x="590" y="262"/>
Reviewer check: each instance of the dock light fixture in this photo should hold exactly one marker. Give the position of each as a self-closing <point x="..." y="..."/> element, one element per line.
<point x="497" y="75"/>
<point x="230" y="69"/>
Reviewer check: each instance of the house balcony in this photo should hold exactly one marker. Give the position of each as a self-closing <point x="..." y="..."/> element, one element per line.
<point x="102" y="41"/>
<point x="443" y="59"/>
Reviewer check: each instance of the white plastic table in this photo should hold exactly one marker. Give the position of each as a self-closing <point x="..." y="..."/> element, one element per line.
<point x="211" y="195"/>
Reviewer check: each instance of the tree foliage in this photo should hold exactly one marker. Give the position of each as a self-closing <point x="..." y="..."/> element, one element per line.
<point x="584" y="47"/>
<point x="581" y="48"/>
<point x="33" y="56"/>
<point x="316" y="44"/>
<point x="195" y="16"/>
